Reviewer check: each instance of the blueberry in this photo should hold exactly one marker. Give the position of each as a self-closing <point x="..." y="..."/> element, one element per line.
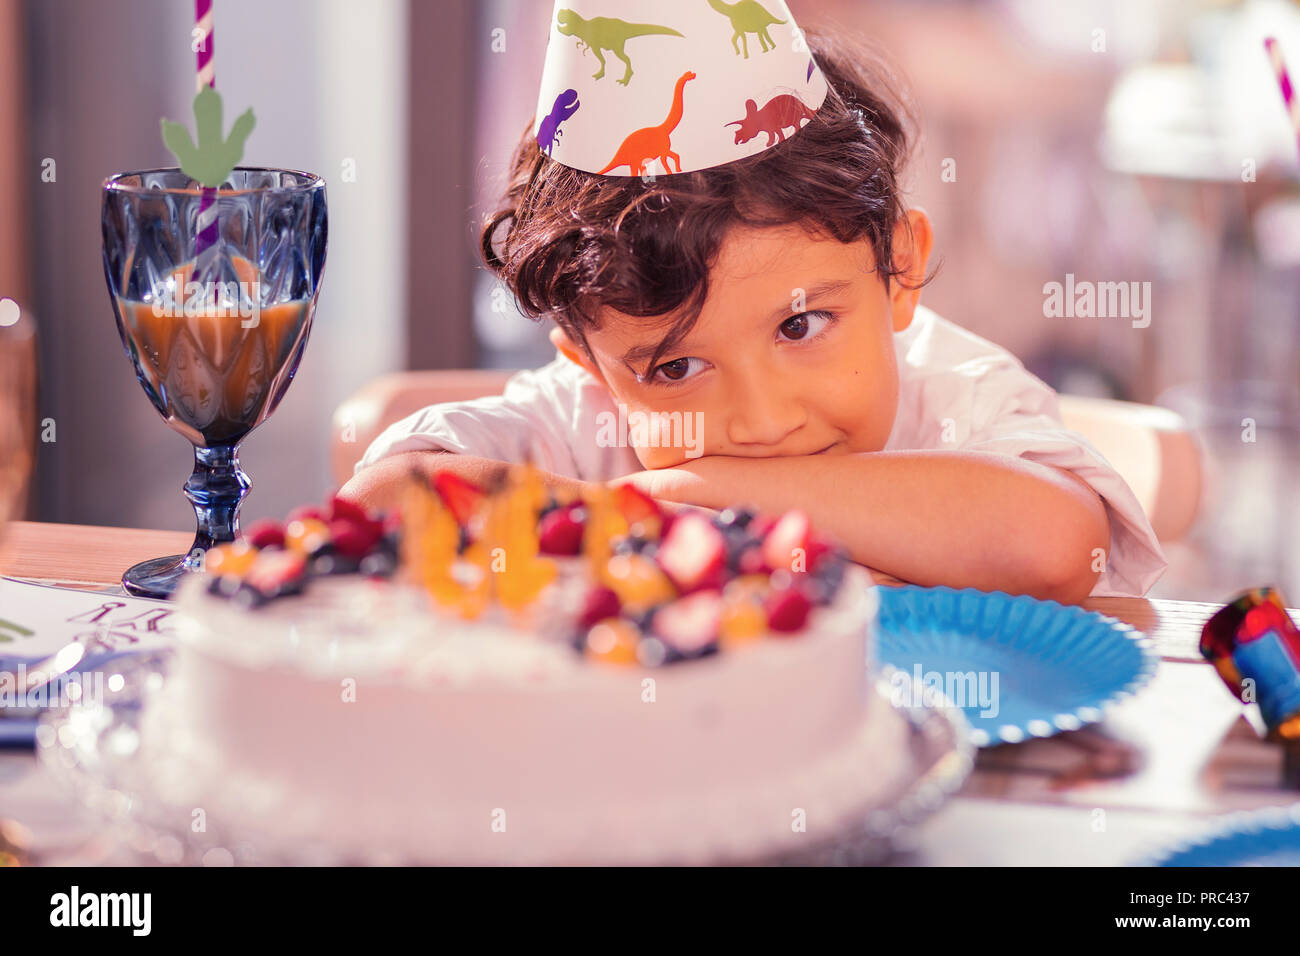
<point x="824" y="581"/>
<point x="652" y="652"/>
<point x="329" y="561"/>
<point x="249" y="597"/>
<point x="379" y="564"/>
<point x="645" y="619"/>
<point x="737" y="547"/>
<point x="634" y="544"/>
<point x="733" y="518"/>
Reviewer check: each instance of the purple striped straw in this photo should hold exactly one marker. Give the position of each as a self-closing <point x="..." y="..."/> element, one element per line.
<point x="1283" y="82"/>
<point x="205" y="242"/>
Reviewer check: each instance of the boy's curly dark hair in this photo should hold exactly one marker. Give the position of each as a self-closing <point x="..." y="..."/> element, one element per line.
<point x="575" y="241"/>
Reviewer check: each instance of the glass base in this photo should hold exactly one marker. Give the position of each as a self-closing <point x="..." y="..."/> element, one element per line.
<point x="155" y="578"/>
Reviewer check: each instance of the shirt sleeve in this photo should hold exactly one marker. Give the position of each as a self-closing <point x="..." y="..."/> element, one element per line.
<point x="546" y="415"/>
<point x="961" y="391"/>
<point x="1019" y="416"/>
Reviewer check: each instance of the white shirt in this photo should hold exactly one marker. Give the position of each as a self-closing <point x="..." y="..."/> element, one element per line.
<point x="956" y="391"/>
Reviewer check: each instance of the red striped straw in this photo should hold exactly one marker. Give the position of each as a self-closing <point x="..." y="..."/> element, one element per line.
<point x="206" y="240"/>
<point x="1284" y="82"/>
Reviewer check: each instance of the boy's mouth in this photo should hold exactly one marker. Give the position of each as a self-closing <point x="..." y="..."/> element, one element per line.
<point x="826" y="449"/>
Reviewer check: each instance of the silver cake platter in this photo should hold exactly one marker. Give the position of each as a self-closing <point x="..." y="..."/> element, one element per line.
<point x="95" y="750"/>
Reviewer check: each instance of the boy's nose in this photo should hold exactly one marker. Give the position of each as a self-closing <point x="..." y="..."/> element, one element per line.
<point x="763" y="414"/>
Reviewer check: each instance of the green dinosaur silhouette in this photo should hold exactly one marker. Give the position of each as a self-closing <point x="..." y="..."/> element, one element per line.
<point x="747" y="16"/>
<point x="606" y="33"/>
<point x="212" y="160"/>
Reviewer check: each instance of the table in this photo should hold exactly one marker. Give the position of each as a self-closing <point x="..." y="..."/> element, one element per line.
<point x="1158" y="768"/>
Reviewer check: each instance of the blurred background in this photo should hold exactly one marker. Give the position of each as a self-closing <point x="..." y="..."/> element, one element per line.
<point x="1111" y="140"/>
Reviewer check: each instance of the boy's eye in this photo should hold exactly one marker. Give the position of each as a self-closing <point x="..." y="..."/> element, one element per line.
<point x="674" y="371"/>
<point x="805" y="325"/>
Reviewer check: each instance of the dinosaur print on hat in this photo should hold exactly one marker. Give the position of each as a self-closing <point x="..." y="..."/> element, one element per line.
<point x="747" y="16"/>
<point x="778" y="113"/>
<point x="653" y="142"/>
<point x="687" y="69"/>
<point x="606" y="33"/>
<point x="548" y="130"/>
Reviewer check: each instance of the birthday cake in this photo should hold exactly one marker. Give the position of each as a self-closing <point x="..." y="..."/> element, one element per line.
<point x="504" y="677"/>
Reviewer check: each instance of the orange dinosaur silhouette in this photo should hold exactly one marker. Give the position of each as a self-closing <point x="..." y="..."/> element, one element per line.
<point x="653" y="142"/>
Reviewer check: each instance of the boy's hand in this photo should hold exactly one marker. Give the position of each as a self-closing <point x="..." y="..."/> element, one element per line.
<point x="665" y="485"/>
<point x="380" y="486"/>
<point x="669" y="486"/>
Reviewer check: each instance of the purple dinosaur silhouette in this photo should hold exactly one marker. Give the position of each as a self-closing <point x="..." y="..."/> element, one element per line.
<point x="780" y="112"/>
<point x="548" y="131"/>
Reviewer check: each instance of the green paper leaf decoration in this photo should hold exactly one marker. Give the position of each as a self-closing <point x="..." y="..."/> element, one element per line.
<point x="211" y="161"/>
<point x="17" y="628"/>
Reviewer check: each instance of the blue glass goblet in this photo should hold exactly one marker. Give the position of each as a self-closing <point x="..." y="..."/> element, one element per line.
<point x="215" y="334"/>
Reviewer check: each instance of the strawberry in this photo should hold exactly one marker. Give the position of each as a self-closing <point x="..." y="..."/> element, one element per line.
<point x="265" y="533"/>
<point x="343" y="508"/>
<point x="790" y="545"/>
<point x="305" y="512"/>
<point x="634" y="504"/>
<point x="599" y="604"/>
<point x="787" y="610"/>
<point x="694" y="553"/>
<point x="690" y="624"/>
<point x="460" y="495"/>
<point x="560" y="531"/>
<point x="354" y="539"/>
<point x="276" y="572"/>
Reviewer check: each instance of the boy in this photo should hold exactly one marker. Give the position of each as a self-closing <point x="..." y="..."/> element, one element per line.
<point x="763" y="312"/>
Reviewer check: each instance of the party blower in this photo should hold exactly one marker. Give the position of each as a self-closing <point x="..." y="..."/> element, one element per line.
<point x="214" y="270"/>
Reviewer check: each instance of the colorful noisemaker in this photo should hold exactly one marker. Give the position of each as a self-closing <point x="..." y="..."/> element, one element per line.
<point x="656" y="87"/>
<point x="1255" y="646"/>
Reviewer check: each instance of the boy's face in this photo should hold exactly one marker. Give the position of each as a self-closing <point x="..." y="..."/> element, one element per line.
<point x="792" y="354"/>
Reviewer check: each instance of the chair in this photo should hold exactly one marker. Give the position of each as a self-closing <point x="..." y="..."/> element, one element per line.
<point x="1152" y="448"/>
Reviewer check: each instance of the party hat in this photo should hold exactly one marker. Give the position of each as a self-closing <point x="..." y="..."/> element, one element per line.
<point x="655" y="87"/>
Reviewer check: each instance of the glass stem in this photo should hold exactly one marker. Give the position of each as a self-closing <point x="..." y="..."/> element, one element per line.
<point x="216" y="489"/>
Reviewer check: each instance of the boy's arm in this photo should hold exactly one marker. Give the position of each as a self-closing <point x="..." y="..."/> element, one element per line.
<point x="380" y="485"/>
<point x="962" y="519"/>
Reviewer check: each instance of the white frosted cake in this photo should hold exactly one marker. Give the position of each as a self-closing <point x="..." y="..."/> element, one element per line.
<point x="610" y="717"/>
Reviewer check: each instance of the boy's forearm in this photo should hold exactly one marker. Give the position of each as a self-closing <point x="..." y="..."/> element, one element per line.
<point x="963" y="519"/>
<point x="380" y="486"/>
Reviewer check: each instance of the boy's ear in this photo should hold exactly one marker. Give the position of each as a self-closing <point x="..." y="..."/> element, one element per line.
<point x="913" y="240"/>
<point x="574" y="352"/>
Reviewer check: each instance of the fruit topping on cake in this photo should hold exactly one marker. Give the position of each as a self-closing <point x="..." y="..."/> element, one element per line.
<point x="646" y="586"/>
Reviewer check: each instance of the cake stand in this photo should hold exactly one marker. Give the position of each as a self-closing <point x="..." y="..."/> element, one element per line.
<point x="94" y="749"/>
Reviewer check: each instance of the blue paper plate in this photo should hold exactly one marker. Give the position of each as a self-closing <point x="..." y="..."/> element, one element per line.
<point x="1264" y="838"/>
<point x="1017" y="667"/>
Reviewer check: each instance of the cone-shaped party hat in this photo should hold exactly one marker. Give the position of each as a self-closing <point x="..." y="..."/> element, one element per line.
<point x="634" y="87"/>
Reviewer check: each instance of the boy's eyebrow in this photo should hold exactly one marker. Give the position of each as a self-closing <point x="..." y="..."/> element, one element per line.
<point x="639" y="352"/>
<point x="829" y="287"/>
